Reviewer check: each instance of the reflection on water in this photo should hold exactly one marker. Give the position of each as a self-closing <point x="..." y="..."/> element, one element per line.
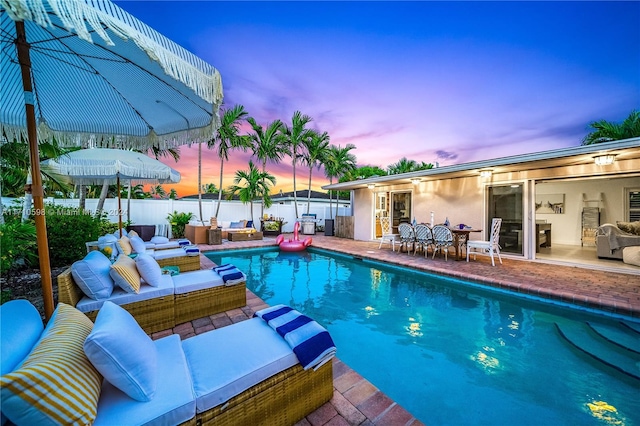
<point x="448" y="352"/>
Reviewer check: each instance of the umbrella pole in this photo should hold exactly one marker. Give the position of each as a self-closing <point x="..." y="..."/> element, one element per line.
<point x="119" y="206"/>
<point x="36" y="187"/>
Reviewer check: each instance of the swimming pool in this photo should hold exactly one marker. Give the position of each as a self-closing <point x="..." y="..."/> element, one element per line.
<point x="457" y="353"/>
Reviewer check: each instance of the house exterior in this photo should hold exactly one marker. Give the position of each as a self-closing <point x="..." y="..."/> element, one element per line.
<point x="548" y="190"/>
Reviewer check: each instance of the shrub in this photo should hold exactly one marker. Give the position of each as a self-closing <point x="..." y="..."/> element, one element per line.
<point x="69" y="228"/>
<point x="19" y="246"/>
<point x="178" y="222"/>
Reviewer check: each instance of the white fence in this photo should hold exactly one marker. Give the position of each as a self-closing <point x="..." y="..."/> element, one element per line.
<point x="154" y="212"/>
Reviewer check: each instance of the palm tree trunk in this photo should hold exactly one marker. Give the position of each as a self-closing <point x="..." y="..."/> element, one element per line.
<point x="103" y="196"/>
<point x="309" y="193"/>
<point x="82" y="196"/>
<point x="129" y="203"/>
<point x="264" y="170"/>
<point x="220" y="187"/>
<point x="295" y="195"/>
<point x="200" y="181"/>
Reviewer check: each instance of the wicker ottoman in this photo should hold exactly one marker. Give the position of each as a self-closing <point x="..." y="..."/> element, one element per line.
<point x="631" y="255"/>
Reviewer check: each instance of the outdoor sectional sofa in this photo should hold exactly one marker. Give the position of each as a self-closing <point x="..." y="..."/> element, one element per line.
<point x="173" y="300"/>
<point x="242" y="374"/>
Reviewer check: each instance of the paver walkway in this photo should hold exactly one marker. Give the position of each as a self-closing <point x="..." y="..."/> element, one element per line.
<point x="356" y="401"/>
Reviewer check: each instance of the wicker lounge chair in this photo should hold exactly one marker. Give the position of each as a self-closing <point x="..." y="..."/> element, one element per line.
<point x="182" y="298"/>
<point x="246" y="387"/>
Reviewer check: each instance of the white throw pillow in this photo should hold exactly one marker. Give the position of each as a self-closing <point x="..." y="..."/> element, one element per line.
<point x="117" y="233"/>
<point x="91" y="274"/>
<point x="123" y="353"/>
<point x="159" y="240"/>
<point x="149" y="269"/>
<point x="137" y="245"/>
<point x="224" y="224"/>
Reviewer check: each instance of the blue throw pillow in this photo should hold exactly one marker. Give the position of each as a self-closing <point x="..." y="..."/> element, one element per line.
<point x="236" y="225"/>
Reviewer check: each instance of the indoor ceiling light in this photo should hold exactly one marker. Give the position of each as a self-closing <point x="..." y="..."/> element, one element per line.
<point x="604" y="160"/>
<point x="485" y="173"/>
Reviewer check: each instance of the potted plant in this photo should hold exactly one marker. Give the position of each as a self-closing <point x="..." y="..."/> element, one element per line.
<point x="178" y="221"/>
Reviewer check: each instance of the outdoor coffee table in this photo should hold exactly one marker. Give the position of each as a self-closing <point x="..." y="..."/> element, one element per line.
<point x="244" y="236"/>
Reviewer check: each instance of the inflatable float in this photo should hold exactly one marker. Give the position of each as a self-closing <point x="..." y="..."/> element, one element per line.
<point x="293" y="244"/>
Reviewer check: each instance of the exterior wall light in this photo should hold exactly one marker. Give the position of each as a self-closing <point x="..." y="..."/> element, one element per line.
<point x="485" y="174"/>
<point x="371" y="186"/>
<point x="604" y="160"/>
<point x="415" y="181"/>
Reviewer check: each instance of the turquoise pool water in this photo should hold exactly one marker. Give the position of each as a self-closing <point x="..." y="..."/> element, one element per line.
<point x="454" y="353"/>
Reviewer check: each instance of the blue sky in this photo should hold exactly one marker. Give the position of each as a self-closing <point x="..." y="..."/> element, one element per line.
<point x="446" y="82"/>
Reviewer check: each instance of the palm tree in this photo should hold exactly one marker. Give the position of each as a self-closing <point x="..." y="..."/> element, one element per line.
<point x="209" y="188"/>
<point x="173" y="194"/>
<point x="296" y="135"/>
<point x="227" y="138"/>
<point x="159" y="191"/>
<point x="317" y="148"/>
<point x="404" y="166"/>
<point x="255" y="185"/>
<point x="605" y="131"/>
<point x="268" y="144"/>
<point x="338" y="162"/>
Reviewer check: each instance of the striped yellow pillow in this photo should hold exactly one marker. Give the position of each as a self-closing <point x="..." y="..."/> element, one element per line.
<point x="56" y="383"/>
<point x="124" y="245"/>
<point x="125" y="274"/>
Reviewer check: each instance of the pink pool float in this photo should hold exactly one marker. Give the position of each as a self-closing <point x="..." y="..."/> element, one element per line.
<point x="293" y="244"/>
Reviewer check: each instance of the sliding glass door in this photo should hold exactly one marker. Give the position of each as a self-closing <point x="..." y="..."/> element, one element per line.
<point x="506" y="202"/>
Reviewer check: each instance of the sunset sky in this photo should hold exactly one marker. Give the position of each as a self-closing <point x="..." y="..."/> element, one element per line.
<point x="446" y="82"/>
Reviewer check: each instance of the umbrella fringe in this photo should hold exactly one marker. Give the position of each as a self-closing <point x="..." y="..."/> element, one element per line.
<point x="75" y="15"/>
<point x="98" y="140"/>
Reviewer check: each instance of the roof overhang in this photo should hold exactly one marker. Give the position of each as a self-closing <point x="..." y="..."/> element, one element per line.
<point x="628" y="149"/>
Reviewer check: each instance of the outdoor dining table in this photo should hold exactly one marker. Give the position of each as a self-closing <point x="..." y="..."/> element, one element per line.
<point x="460" y="237"/>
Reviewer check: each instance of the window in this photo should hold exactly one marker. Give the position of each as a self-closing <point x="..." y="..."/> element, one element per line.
<point x="632" y="204"/>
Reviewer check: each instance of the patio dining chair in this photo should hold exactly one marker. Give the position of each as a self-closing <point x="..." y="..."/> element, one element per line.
<point x="492" y="245"/>
<point x="387" y="235"/>
<point x="407" y="236"/>
<point x="442" y="240"/>
<point x="424" y="238"/>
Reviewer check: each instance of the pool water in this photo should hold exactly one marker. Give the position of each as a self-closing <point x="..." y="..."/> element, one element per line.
<point x="454" y="353"/>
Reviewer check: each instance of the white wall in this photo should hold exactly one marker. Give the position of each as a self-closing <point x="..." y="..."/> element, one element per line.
<point x="152" y="211"/>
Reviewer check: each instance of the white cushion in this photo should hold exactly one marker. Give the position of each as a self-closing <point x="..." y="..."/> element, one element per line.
<point x="162" y="246"/>
<point x="196" y="280"/>
<point x="239" y="364"/>
<point x="159" y="240"/>
<point x="165" y="254"/>
<point x="173" y="403"/>
<point x="149" y="269"/>
<point x="121" y="297"/>
<point x="137" y="244"/>
<point x="123" y="353"/>
<point x="20" y="329"/>
<point x="91" y="274"/>
<point x="224" y="223"/>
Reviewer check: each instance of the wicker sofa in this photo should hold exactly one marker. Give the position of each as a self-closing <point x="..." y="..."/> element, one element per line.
<point x="174" y="302"/>
<point x="247" y="386"/>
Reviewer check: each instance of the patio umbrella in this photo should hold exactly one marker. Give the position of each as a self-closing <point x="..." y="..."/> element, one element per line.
<point x="89" y="74"/>
<point x="104" y="165"/>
